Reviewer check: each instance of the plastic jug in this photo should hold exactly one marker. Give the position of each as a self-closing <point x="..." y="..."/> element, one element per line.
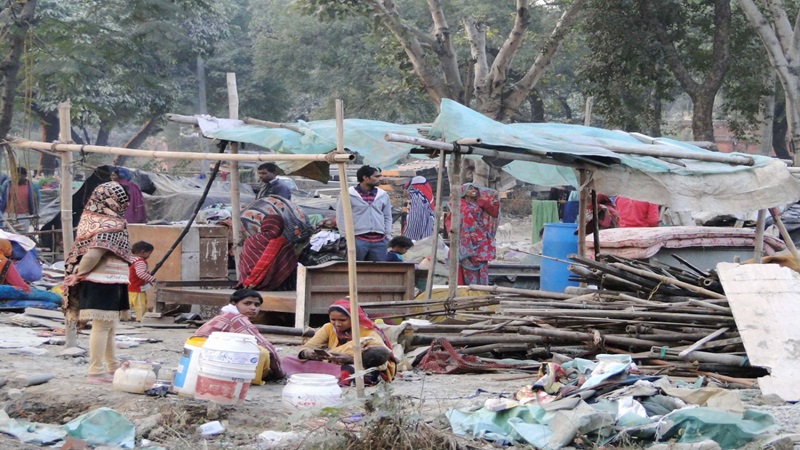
<point x="134" y="377"/>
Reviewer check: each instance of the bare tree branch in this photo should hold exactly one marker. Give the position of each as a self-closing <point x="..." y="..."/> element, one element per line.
<point x="476" y="34"/>
<point x="506" y="54"/>
<point x="445" y="52"/>
<point x="20" y="15"/>
<point x="409" y="39"/>
<point x="520" y="89"/>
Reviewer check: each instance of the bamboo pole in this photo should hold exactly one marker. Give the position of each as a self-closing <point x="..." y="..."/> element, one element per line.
<point x="787" y="238"/>
<point x="596" y="339"/>
<point x="352" y="267"/>
<point x="528" y="155"/>
<point x="583" y="180"/>
<point x="455" y="222"/>
<point x="758" y="248"/>
<point x="596" y="218"/>
<point x="152" y="154"/>
<point x="627" y="315"/>
<point x="702" y="341"/>
<point x="436" y="224"/>
<point x="525" y="292"/>
<point x="65" y="135"/>
<point x="236" y="206"/>
<point x="668" y="280"/>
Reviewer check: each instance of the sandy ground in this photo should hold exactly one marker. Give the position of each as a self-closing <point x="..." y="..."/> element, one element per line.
<point x="68" y="395"/>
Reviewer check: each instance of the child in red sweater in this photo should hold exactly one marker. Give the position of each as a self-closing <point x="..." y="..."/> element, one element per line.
<point x="140" y="278"/>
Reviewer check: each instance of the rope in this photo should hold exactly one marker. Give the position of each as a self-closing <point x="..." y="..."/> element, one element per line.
<point x="222" y="146"/>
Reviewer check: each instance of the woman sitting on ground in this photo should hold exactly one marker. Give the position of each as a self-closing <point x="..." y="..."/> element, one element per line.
<point x="235" y="318"/>
<point x="334" y="343"/>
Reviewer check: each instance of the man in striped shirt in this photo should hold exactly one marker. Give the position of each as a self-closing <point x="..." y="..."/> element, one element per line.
<point x="372" y="215"/>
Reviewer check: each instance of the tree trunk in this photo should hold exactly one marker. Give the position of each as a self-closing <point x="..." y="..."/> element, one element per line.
<point x="103" y="134"/>
<point x="20" y="15"/>
<point x="48" y="123"/>
<point x="537" y="106"/>
<point x="202" y="103"/>
<point x="780" y="127"/>
<point x="703" y="117"/>
<point x="150" y="128"/>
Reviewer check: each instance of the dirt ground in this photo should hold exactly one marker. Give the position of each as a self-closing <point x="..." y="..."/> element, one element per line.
<point x="171" y="422"/>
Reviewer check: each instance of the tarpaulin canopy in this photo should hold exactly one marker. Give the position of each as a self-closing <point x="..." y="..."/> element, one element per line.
<point x="681" y="183"/>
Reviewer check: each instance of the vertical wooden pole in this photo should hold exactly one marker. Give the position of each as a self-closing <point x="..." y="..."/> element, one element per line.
<point x="352" y="267"/>
<point x="758" y="247"/>
<point x="455" y="221"/>
<point x="583" y="178"/>
<point x="596" y="219"/>
<point x="65" y="135"/>
<point x="436" y="224"/>
<point x="236" y="207"/>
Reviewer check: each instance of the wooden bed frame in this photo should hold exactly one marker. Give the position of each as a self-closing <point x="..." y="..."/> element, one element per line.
<point x="317" y="287"/>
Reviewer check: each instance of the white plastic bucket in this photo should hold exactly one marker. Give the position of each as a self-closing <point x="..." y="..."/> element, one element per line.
<point x="186" y="374"/>
<point x="227" y="364"/>
<point x="312" y="390"/>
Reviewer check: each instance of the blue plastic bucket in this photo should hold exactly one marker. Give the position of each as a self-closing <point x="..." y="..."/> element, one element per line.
<point x="559" y="240"/>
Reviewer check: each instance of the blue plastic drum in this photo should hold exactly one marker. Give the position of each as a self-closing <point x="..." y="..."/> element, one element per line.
<point x="559" y="240"/>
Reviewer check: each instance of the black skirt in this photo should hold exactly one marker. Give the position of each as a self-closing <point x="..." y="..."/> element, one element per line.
<point x="102" y="301"/>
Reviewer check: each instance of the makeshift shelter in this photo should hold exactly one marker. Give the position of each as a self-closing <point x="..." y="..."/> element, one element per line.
<point x="660" y="170"/>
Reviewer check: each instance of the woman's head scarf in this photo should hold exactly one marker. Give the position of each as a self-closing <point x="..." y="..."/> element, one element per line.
<point x="343" y="306"/>
<point x="364" y="321"/>
<point x="102" y="225"/>
<point x="421" y="184"/>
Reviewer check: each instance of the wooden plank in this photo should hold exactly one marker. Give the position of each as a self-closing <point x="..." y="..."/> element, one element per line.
<point x="300" y="313"/>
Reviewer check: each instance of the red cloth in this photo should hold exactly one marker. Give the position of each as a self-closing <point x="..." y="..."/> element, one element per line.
<point x="138" y="275"/>
<point x="266" y="259"/>
<point x="21" y="203"/>
<point x="479" y="222"/>
<point x="635" y="213"/>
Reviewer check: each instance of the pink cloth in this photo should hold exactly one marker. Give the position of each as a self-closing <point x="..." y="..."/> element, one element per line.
<point x="641" y="243"/>
<point x="635" y="213"/>
<point x="292" y="365"/>
<point x="136" y="212"/>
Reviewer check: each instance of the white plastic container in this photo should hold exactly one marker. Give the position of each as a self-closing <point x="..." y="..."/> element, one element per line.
<point x="312" y="390"/>
<point x="186" y="374"/>
<point x="227" y="365"/>
<point x="134" y="377"/>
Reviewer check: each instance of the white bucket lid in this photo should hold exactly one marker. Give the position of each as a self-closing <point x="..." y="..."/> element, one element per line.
<point x="318" y="379"/>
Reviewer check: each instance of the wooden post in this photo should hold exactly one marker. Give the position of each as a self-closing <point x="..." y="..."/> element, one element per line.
<point x="583" y="178"/>
<point x="352" y="268"/>
<point x="758" y="247"/>
<point x="436" y="224"/>
<point x="455" y="222"/>
<point x="236" y="207"/>
<point x="65" y="135"/>
<point x="596" y="219"/>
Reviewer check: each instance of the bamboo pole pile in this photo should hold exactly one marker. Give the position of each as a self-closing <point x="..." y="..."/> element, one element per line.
<point x="671" y="320"/>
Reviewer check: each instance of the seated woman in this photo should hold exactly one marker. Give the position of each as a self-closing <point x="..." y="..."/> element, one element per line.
<point x="334" y="343"/>
<point x="8" y="272"/>
<point x="267" y="259"/>
<point x="235" y="318"/>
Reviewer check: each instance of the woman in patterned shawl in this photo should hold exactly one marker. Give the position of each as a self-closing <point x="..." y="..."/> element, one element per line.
<point x="267" y="259"/>
<point x="419" y="221"/>
<point x="480" y="210"/>
<point x="96" y="285"/>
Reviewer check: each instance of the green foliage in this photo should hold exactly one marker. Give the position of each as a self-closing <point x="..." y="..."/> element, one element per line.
<point x="118" y="60"/>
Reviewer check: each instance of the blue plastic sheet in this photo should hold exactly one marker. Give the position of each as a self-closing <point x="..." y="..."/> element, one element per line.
<point x="103" y="426"/>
